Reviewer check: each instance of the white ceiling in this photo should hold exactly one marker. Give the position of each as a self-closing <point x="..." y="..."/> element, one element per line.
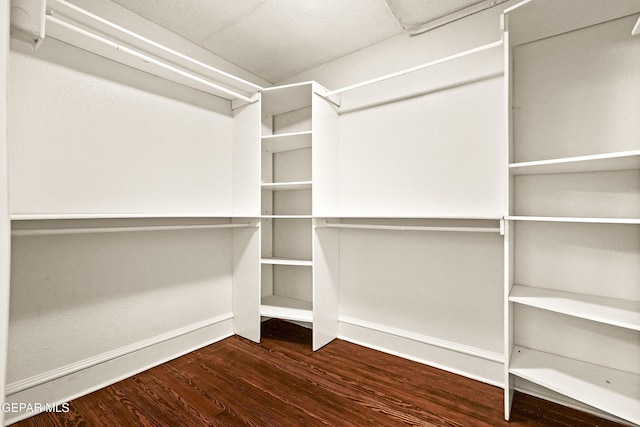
<point x="276" y="39"/>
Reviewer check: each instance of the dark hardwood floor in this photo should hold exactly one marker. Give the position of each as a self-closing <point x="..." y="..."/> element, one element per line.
<point x="281" y="382"/>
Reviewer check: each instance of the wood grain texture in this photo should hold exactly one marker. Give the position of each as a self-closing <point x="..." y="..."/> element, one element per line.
<point x="281" y="382"/>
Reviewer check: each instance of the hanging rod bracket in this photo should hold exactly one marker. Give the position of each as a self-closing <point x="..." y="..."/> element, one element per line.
<point x="28" y="21"/>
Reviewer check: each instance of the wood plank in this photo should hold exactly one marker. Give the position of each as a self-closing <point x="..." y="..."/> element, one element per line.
<point x="281" y="381"/>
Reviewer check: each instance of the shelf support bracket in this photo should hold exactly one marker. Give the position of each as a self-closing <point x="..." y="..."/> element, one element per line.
<point x="28" y="21"/>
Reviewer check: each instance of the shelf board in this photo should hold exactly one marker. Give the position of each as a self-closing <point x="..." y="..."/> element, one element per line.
<point x="622" y="313"/>
<point x="610" y="390"/>
<point x="282" y="99"/>
<point x="56" y="216"/>
<point x="280" y="307"/>
<point x="286" y="186"/>
<point x="287" y="216"/>
<point x="534" y="20"/>
<point x="286" y="141"/>
<point x="624" y="160"/>
<point x="286" y="261"/>
<point x="574" y="219"/>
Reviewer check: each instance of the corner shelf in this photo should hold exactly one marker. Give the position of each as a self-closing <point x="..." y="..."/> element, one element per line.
<point x="624" y="160"/>
<point x="610" y="390"/>
<point x="286" y="186"/>
<point x="286" y="308"/>
<point x="287" y="261"/>
<point x="622" y="313"/>
<point x="286" y="141"/>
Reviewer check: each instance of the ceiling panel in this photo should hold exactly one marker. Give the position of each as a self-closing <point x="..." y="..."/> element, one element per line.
<point x="276" y="39"/>
<point x="413" y="13"/>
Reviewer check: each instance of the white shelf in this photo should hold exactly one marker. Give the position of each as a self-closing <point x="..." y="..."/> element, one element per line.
<point x="625" y="160"/>
<point x="286" y="308"/>
<point x="287" y="216"/>
<point x="286" y="261"/>
<point x="55" y="216"/>
<point x="535" y="20"/>
<point x="622" y="313"/>
<point x="286" y="141"/>
<point x="287" y="186"/>
<point x="282" y="99"/>
<point x="574" y="219"/>
<point x="613" y="391"/>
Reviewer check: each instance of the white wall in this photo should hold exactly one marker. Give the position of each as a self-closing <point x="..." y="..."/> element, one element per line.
<point x="84" y="144"/>
<point x="5" y="226"/>
<point x="88" y="136"/>
<point x="428" y="144"/>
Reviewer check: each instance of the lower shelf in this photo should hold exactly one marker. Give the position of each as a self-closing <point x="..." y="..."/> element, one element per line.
<point x="280" y="307"/>
<point x="609" y="390"/>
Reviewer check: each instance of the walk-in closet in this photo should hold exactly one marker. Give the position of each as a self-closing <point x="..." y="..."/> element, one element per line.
<point x="461" y="192"/>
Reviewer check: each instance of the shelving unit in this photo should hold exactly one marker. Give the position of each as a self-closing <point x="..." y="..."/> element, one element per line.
<point x="297" y="126"/>
<point x="553" y="176"/>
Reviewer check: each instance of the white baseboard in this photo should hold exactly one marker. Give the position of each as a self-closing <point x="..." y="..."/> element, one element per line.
<point x="83" y="377"/>
<point x="471" y="362"/>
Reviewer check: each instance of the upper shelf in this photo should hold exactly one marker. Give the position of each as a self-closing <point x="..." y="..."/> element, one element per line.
<point x="286" y="141"/>
<point x="532" y="20"/>
<point x="622" y="313"/>
<point x="574" y="219"/>
<point x="624" y="160"/>
<point x="282" y="99"/>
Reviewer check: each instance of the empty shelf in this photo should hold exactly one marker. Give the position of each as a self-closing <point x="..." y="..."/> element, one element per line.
<point x="574" y="219"/>
<point x="286" y="141"/>
<point x="625" y="314"/>
<point x="280" y="307"/>
<point x="625" y="160"/>
<point x="287" y="216"/>
<point x="287" y="186"/>
<point x="286" y="261"/>
<point x="613" y="391"/>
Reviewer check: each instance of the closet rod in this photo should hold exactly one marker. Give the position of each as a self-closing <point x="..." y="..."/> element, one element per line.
<point x="414" y="228"/>
<point x="88" y="230"/>
<point x="154" y="44"/>
<point x="146" y="58"/>
<point x="416" y="68"/>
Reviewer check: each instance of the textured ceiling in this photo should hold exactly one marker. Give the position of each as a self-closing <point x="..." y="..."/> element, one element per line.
<point x="275" y="39"/>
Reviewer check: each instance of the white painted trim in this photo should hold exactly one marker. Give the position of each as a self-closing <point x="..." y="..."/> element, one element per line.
<point x="126" y="229"/>
<point x="389" y="349"/>
<point x="424" y="339"/>
<point x="73" y="368"/>
<point x="413" y="228"/>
